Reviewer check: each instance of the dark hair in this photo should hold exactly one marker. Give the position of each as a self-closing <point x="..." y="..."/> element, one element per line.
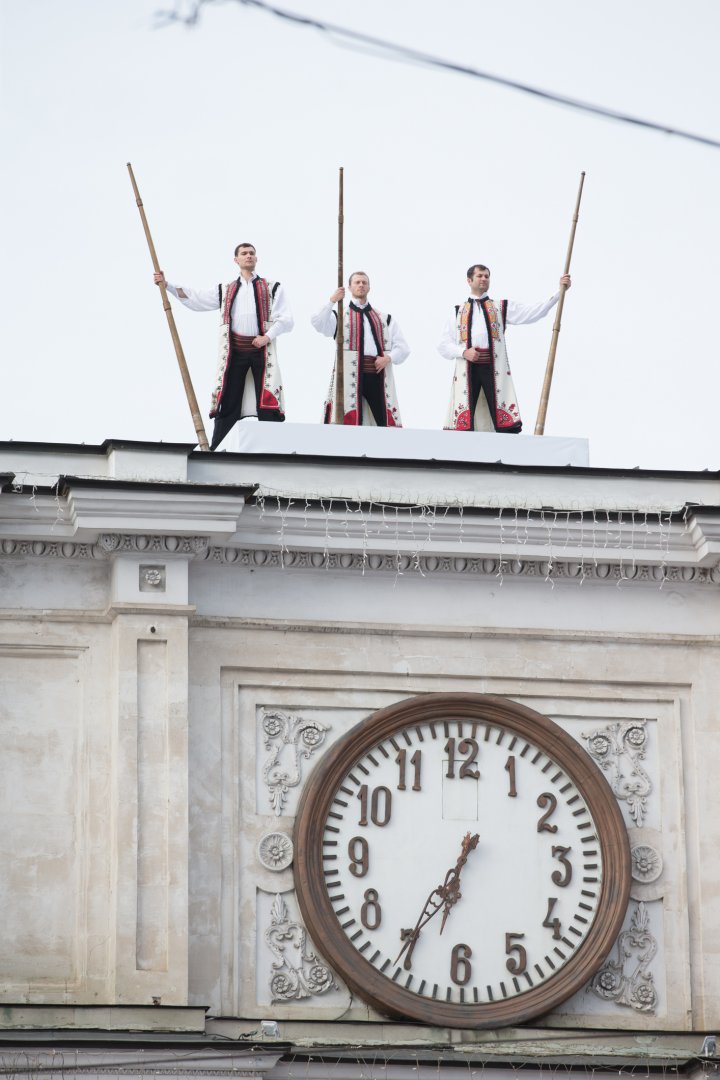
<point x="355" y="274"/>
<point x="242" y="246"/>
<point x="476" y="266"/>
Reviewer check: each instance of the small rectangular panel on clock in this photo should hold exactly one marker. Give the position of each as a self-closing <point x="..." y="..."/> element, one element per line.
<point x="460" y="799"/>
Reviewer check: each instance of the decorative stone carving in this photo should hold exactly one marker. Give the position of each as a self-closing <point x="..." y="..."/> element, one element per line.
<point x="571" y="571"/>
<point x="275" y="851"/>
<point x="626" y="978"/>
<point x="647" y="863"/>
<point x="107" y="544"/>
<point x="152" y="578"/>
<point x="296" y="971"/>
<point x="290" y="739"/>
<point x="618" y="749"/>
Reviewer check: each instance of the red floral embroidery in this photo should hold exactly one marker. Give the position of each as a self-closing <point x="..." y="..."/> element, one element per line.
<point x="463" y="421"/>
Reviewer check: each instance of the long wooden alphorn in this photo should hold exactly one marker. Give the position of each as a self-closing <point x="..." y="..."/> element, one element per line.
<point x="340" y="351"/>
<point x="550" y="366"/>
<point x="182" y="363"/>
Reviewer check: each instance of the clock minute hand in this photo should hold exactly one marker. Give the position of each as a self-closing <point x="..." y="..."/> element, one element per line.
<point x="444" y="896"/>
<point x="451" y="885"/>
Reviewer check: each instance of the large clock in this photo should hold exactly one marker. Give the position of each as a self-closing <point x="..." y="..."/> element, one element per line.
<point x="461" y="861"/>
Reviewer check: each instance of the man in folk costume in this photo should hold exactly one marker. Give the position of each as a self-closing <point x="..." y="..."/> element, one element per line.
<point x="474" y="339"/>
<point x="373" y="345"/>
<point x="254" y="312"/>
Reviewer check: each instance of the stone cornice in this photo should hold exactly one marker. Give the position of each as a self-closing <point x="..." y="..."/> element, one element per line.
<point x="603" y="566"/>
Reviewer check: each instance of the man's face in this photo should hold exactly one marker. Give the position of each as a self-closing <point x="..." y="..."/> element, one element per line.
<point x="480" y="281"/>
<point x="246" y="258"/>
<point x="359" y="287"/>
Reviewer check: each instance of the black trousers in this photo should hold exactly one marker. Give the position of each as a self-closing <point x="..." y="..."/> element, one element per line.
<point x="481" y="377"/>
<point x="230" y="410"/>
<point x="373" y="390"/>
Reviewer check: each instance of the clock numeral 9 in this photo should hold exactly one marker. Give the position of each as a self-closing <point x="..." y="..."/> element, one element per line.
<point x="558" y="877"/>
<point x="415" y="761"/>
<point x="549" y="800"/>
<point x="467" y="748"/>
<point x="380" y="805"/>
<point x="359" y="856"/>
<point x="371" y="912"/>
<point x="552" y="924"/>
<point x="517" y="954"/>
<point x="460" y="967"/>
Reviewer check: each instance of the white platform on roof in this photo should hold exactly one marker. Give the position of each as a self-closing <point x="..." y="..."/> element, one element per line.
<point x="319" y="440"/>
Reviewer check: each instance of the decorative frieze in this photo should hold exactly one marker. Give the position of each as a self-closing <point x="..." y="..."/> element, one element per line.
<point x="625" y="978"/>
<point x="556" y="570"/>
<point x="290" y="740"/>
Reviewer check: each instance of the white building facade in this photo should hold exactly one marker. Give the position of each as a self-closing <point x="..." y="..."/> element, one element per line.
<point x="184" y="637"/>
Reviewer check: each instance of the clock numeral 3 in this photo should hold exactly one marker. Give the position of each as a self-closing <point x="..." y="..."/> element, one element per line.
<point x="467" y="748"/>
<point x="371" y="912"/>
<point x="559" y="877"/>
<point x="549" y="800"/>
<point x="460" y="966"/>
<point x="517" y="954"/>
<point x="415" y="761"/>
<point x="359" y="856"/>
<point x="380" y="805"/>
<point x="552" y="924"/>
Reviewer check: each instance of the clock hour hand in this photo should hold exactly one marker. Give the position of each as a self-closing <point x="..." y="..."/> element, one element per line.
<point x="445" y="896"/>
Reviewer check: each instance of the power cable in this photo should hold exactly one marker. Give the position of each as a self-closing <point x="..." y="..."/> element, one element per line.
<point x="392" y="51"/>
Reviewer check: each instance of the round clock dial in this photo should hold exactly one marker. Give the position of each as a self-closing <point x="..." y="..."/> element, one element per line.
<point x="460" y="860"/>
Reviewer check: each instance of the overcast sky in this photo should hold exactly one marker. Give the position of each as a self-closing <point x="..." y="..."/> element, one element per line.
<point x="236" y="128"/>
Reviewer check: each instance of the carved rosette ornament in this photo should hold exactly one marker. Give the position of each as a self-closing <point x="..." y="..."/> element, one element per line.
<point x="290" y="740"/>
<point x="625" y="978"/>
<point x="275" y="851"/>
<point x="619" y="750"/>
<point x="296" y="971"/>
<point x="647" y="863"/>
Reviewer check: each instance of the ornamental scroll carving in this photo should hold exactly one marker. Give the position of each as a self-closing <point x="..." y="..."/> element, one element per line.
<point x="619" y="750"/>
<point x="290" y="740"/>
<point x="296" y="971"/>
<point x="626" y="978"/>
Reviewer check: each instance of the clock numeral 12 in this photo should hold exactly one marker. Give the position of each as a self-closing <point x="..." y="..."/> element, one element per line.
<point x="510" y="770"/>
<point x="467" y="748"/>
<point x="380" y="805"/>
<point x="415" y="761"/>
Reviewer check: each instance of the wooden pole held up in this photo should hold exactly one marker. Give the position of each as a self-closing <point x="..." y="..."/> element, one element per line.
<point x="550" y="366"/>
<point x="340" y="352"/>
<point x="184" y="372"/>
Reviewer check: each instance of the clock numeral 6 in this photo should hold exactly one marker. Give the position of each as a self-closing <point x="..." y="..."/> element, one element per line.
<point x="371" y="912"/>
<point x="380" y="805"/>
<point x="549" y="800"/>
<point x="517" y="954"/>
<point x="558" y="876"/>
<point x="359" y="856"/>
<point x="460" y="966"/>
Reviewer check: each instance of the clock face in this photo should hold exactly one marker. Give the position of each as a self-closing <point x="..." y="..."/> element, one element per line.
<point x="460" y="860"/>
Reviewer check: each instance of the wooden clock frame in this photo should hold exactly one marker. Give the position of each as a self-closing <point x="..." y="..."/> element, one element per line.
<point x="376" y="989"/>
